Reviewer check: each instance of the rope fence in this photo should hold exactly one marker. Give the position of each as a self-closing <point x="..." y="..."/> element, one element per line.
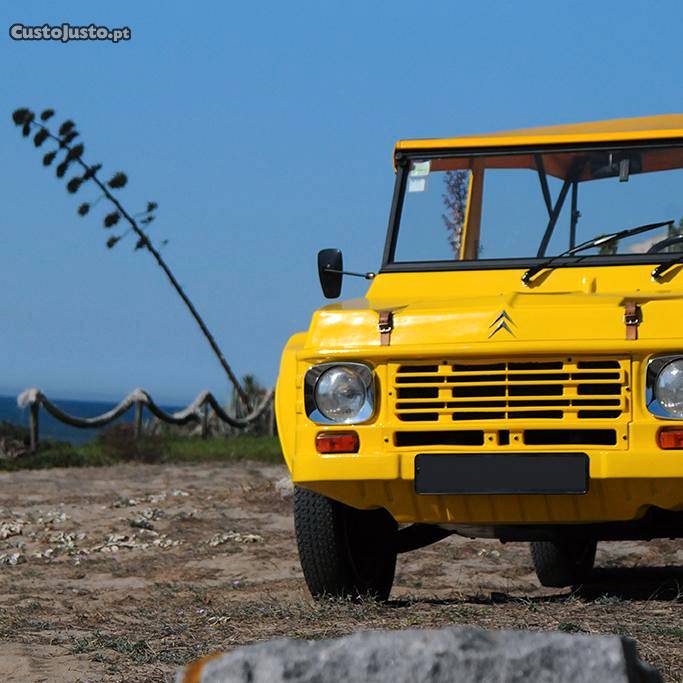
<point x="197" y="411"/>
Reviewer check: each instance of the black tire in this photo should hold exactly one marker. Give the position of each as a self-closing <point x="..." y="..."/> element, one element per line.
<point x="563" y="563"/>
<point x="344" y="552"/>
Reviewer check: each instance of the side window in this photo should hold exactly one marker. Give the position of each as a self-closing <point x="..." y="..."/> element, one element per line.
<point x="433" y="215"/>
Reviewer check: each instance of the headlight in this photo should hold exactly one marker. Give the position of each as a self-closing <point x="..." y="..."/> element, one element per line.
<point x="665" y="386"/>
<point x="339" y="393"/>
<point x="669" y="388"/>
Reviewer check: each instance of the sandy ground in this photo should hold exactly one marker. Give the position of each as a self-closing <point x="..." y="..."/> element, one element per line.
<point x="125" y="573"/>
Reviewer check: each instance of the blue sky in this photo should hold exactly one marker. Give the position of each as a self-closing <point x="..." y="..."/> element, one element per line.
<point x="264" y="131"/>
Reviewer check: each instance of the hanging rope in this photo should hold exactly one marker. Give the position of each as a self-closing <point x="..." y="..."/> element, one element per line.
<point x="33" y="398"/>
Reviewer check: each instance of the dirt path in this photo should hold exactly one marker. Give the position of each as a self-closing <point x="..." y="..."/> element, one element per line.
<point x="124" y="573"/>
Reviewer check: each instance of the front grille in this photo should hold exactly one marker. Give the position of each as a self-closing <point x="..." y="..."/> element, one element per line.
<point x="501" y="437"/>
<point x="583" y="389"/>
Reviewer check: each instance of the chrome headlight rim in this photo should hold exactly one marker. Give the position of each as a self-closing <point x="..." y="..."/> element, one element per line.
<point x="655" y="366"/>
<point x="311" y="379"/>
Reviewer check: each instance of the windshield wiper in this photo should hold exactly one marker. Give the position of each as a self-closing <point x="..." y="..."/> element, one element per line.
<point x="665" y="266"/>
<point x="597" y="242"/>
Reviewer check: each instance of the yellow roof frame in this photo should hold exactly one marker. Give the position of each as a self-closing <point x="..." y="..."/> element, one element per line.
<point x="663" y="126"/>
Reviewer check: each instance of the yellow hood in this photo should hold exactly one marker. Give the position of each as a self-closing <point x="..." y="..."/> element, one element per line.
<point x="462" y="307"/>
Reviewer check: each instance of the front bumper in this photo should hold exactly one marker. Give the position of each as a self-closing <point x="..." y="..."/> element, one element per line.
<point x="623" y="485"/>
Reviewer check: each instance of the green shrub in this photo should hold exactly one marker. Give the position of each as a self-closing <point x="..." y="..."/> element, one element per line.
<point x="9" y="430"/>
<point x="118" y="442"/>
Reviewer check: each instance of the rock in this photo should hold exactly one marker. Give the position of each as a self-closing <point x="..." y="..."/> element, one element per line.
<point x="12" y="558"/>
<point x="12" y="527"/>
<point x="234" y="536"/>
<point x="141" y="523"/>
<point x="285" y="487"/>
<point x="450" y="655"/>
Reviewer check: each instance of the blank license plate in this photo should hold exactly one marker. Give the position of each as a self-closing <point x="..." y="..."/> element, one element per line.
<point x="501" y="473"/>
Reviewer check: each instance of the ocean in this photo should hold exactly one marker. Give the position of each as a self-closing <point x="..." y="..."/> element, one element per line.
<point x="51" y="428"/>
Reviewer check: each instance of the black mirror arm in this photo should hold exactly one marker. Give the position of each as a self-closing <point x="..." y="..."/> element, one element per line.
<point x="366" y="276"/>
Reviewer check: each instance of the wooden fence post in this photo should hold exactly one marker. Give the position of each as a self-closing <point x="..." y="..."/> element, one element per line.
<point x="34" y="411"/>
<point x="271" y="419"/>
<point x="205" y="421"/>
<point x="138" y="419"/>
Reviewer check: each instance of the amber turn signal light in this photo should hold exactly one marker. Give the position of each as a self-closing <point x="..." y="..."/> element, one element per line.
<point x="337" y="442"/>
<point x="670" y="438"/>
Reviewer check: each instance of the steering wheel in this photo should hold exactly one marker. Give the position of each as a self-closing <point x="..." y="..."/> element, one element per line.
<point x="663" y="244"/>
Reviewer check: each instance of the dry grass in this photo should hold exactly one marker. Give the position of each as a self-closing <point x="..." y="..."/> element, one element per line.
<point x="137" y="613"/>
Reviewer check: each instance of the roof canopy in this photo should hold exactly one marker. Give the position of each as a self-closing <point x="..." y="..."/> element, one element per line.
<point x="562" y="164"/>
<point x="614" y="130"/>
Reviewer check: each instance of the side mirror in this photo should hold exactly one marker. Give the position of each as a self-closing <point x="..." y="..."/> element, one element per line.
<point x="330" y="267"/>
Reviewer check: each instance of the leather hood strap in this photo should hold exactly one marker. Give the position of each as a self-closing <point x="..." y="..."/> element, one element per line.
<point x="632" y="318"/>
<point x="385" y="326"/>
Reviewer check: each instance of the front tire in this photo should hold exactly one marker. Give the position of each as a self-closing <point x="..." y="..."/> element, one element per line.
<point x="563" y="563"/>
<point x="344" y="552"/>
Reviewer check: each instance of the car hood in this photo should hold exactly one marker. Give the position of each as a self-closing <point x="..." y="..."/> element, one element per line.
<point x="465" y="313"/>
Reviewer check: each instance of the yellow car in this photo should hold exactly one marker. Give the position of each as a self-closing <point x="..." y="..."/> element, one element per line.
<point x="515" y="370"/>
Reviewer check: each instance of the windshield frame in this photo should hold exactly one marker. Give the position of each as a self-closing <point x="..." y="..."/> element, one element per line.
<point x="403" y="159"/>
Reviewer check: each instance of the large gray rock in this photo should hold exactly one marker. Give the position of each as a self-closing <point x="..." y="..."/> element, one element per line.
<point x="459" y="654"/>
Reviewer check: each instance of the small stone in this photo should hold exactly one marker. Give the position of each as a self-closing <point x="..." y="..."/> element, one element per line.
<point x="141" y="523"/>
<point x="285" y="487"/>
<point x="13" y="528"/>
<point x="12" y="559"/>
<point x="235" y="537"/>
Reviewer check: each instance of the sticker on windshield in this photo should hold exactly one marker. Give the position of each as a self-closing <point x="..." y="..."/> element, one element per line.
<point x="417" y="184"/>
<point x="420" y="169"/>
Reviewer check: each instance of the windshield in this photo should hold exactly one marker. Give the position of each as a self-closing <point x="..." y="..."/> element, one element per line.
<point x="538" y="205"/>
